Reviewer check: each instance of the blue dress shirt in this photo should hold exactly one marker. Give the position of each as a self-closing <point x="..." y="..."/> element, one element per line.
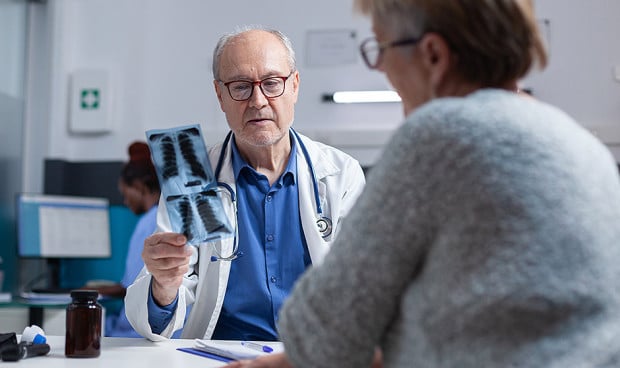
<point x="274" y="252"/>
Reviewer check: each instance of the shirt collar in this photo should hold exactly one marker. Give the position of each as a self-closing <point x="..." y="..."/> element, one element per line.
<point x="239" y="163"/>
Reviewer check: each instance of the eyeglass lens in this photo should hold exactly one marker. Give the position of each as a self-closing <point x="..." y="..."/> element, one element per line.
<point x="370" y="52"/>
<point x="242" y="90"/>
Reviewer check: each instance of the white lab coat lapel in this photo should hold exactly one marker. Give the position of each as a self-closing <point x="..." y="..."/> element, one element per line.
<point x="317" y="246"/>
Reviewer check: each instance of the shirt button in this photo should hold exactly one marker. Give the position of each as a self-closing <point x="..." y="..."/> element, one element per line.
<point x="273" y="279"/>
<point x="269" y="237"/>
<point x="268" y="198"/>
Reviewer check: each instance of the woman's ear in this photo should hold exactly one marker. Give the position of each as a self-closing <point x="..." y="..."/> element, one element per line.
<point x="436" y="58"/>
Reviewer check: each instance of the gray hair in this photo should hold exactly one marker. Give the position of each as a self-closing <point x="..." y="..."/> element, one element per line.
<point x="497" y="41"/>
<point x="229" y="37"/>
<point x="401" y="17"/>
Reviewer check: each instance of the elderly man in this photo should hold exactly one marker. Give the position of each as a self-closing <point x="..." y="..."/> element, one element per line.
<point x="291" y="194"/>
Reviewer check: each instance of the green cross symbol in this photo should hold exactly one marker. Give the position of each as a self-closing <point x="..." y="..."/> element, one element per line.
<point x="89" y="99"/>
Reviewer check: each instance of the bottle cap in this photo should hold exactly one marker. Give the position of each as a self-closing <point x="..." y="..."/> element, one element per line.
<point x="84" y="294"/>
<point x="33" y="334"/>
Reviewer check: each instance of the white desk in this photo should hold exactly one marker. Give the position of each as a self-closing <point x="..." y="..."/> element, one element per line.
<point x="120" y="352"/>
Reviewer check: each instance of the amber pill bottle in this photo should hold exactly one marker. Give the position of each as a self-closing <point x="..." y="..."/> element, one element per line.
<point x="83" y="325"/>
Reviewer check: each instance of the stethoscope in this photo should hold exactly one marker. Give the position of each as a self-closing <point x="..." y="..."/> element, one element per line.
<point x="323" y="223"/>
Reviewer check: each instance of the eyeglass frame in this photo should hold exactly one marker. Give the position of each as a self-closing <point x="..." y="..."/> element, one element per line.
<point x="382" y="46"/>
<point x="260" y="86"/>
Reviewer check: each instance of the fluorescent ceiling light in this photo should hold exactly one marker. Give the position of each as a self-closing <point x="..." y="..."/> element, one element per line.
<point x="365" y="96"/>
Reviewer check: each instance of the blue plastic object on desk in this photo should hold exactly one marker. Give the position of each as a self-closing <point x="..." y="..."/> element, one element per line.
<point x="206" y="354"/>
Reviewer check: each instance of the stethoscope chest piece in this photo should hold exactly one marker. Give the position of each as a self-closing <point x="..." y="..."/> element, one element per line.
<point x="325" y="226"/>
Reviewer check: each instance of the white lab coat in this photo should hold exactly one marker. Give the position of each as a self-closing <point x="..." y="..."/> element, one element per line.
<point x="340" y="180"/>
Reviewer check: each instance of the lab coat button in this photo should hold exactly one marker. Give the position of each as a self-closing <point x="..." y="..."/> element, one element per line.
<point x="269" y="237"/>
<point x="268" y="198"/>
<point x="273" y="279"/>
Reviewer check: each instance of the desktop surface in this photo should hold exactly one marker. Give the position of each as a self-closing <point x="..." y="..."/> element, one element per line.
<point x="122" y="352"/>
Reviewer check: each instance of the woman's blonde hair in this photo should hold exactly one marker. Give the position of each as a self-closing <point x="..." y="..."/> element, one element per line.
<point x="496" y="41"/>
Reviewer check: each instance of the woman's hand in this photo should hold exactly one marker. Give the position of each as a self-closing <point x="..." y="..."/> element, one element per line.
<point x="377" y="360"/>
<point x="281" y="361"/>
<point x="278" y="360"/>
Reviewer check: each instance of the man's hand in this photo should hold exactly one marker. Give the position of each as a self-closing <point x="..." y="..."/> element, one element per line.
<point x="166" y="257"/>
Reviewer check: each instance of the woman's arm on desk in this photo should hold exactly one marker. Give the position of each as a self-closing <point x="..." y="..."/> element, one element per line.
<point x="280" y="361"/>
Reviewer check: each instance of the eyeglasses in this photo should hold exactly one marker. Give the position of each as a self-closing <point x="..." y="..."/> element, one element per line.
<point x="271" y="87"/>
<point x="372" y="50"/>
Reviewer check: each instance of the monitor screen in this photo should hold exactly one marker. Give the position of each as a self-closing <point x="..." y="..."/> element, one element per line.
<point x="53" y="226"/>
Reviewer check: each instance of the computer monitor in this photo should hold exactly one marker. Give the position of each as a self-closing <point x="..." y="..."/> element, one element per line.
<point x="54" y="226"/>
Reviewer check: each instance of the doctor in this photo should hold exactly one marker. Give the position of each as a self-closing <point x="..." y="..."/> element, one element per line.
<point x="290" y="195"/>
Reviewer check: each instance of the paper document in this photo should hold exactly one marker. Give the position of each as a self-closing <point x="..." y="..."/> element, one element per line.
<point x="237" y="350"/>
<point x="47" y="298"/>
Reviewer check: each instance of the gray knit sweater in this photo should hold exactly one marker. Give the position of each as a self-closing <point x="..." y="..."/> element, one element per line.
<point x="488" y="235"/>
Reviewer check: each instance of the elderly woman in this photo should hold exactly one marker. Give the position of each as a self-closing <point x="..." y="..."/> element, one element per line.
<point x="487" y="235"/>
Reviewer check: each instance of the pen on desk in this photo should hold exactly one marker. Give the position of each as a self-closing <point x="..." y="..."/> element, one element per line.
<point x="255" y="346"/>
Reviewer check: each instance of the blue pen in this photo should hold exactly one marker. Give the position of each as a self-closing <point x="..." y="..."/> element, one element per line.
<point x="255" y="346"/>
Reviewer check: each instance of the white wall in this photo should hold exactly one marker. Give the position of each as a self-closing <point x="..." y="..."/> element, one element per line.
<point x="158" y="53"/>
<point x="584" y="49"/>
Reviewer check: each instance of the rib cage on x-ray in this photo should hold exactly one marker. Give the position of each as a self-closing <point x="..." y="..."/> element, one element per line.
<point x="188" y="184"/>
<point x="189" y="154"/>
<point x="195" y="210"/>
<point x="179" y="158"/>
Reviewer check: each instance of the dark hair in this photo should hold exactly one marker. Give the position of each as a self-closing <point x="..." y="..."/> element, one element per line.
<point x="140" y="167"/>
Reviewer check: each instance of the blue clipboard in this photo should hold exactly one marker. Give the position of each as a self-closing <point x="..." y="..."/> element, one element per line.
<point x="206" y="355"/>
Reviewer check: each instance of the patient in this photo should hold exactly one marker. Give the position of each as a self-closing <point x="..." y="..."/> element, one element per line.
<point x="487" y="234"/>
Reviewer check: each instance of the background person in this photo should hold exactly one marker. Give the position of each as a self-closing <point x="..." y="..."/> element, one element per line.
<point x="487" y="235"/>
<point x="291" y="195"/>
<point x="140" y="189"/>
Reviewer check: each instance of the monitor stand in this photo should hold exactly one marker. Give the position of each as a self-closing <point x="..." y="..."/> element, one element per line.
<point x="53" y="265"/>
<point x="53" y="278"/>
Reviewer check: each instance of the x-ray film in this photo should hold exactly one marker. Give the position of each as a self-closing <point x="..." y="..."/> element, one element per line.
<point x="188" y="184"/>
